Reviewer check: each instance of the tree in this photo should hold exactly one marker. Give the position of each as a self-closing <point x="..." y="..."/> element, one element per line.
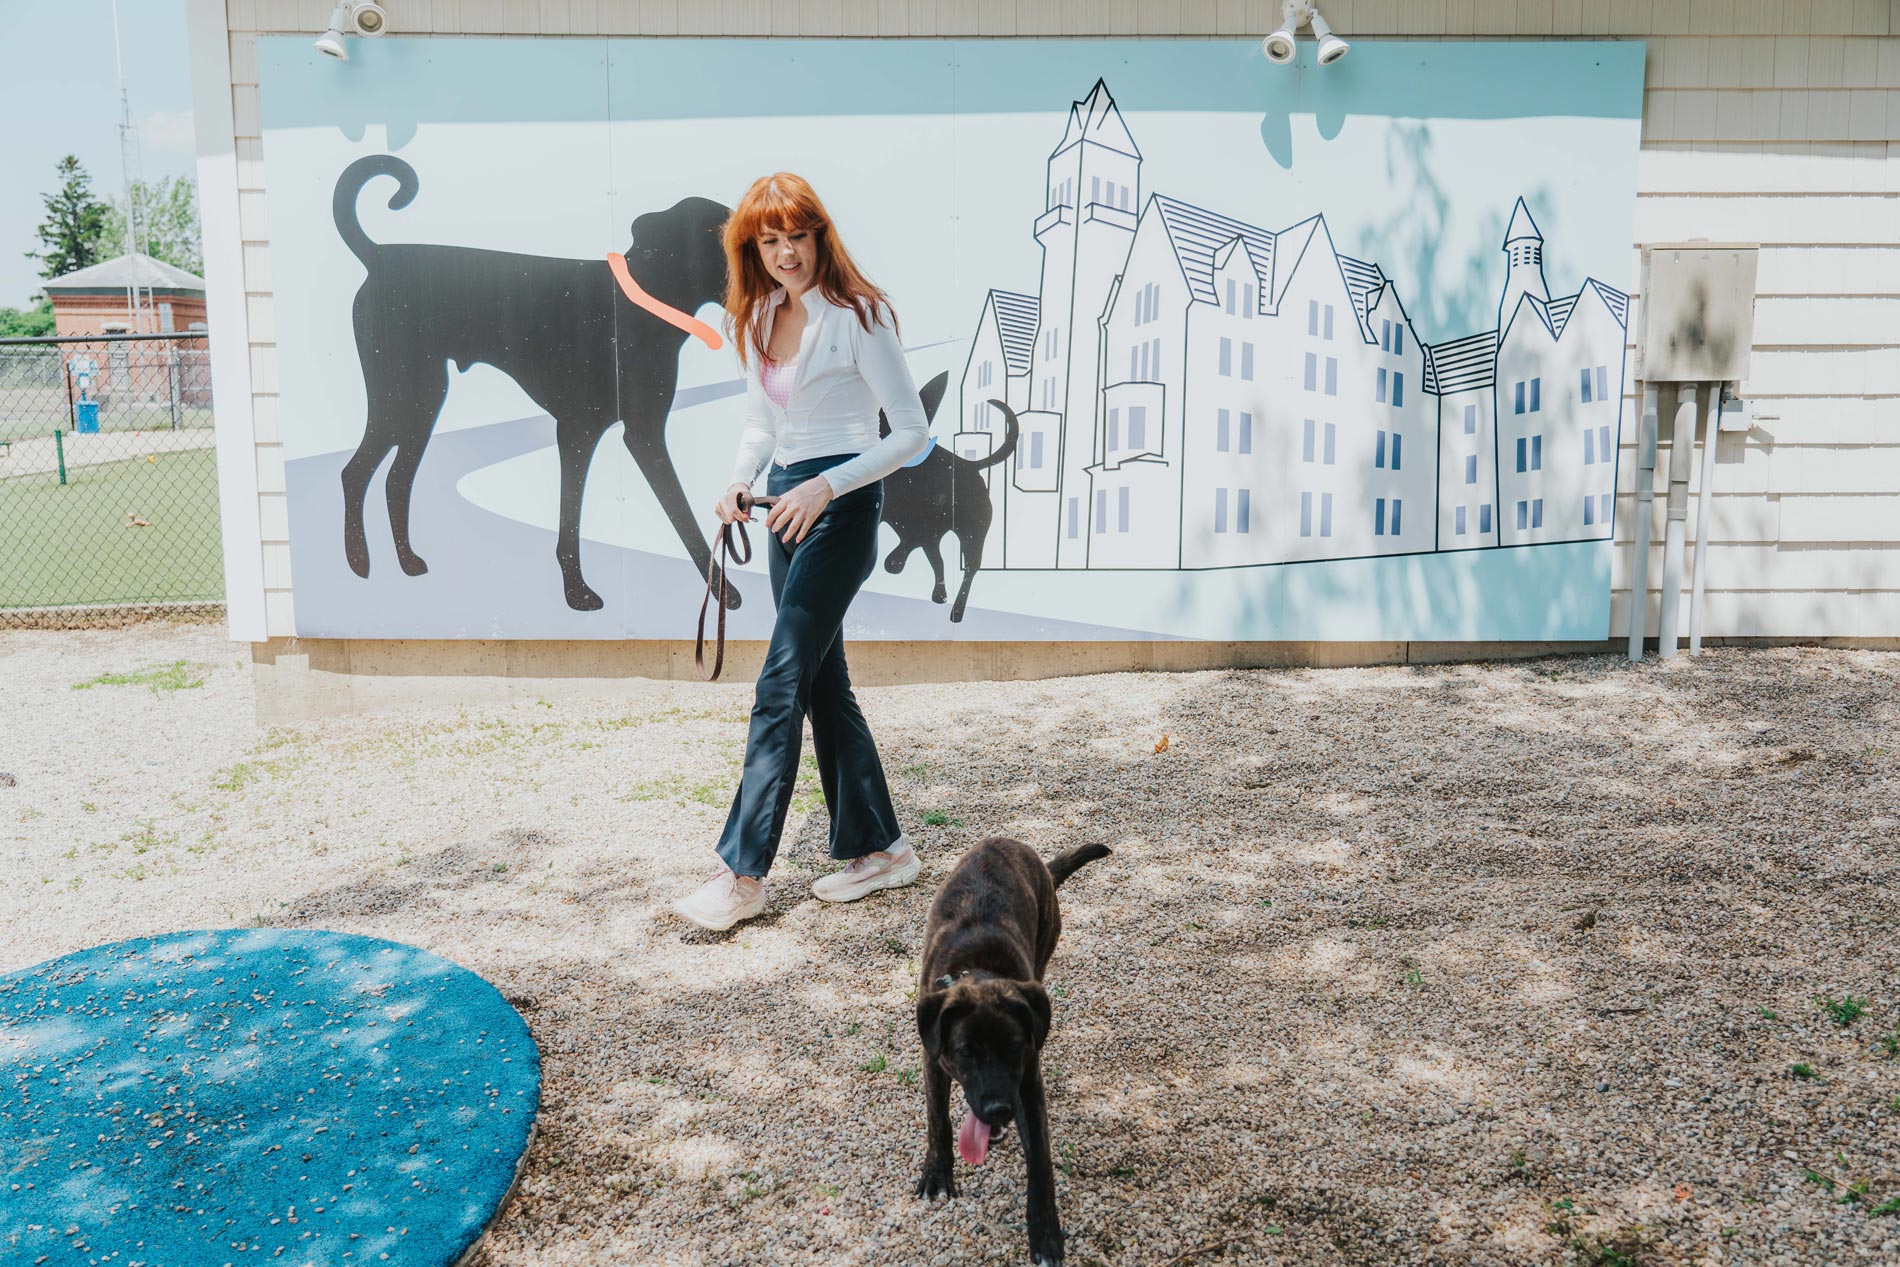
<point x="69" y="236"/>
<point x="32" y="323"/>
<point x="168" y="224"/>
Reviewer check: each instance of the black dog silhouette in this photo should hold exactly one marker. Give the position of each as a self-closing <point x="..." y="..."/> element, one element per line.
<point x="943" y="493"/>
<point x="562" y="329"/>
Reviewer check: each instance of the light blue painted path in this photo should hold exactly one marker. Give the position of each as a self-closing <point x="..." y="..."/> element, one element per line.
<point x="256" y="1096"/>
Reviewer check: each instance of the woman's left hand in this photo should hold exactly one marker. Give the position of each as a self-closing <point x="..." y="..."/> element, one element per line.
<point x="795" y="512"/>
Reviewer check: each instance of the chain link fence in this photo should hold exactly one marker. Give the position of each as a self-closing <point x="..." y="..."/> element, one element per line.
<point x="108" y="479"/>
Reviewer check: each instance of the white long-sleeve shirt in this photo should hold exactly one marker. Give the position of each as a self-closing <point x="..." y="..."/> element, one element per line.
<point x="845" y="373"/>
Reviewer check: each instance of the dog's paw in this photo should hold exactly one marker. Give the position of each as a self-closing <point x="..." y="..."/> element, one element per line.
<point x="358" y="556"/>
<point x="939" y="594"/>
<point x="1045" y="1246"/>
<point x="582" y="598"/>
<point x="937" y="1181"/>
<point x="413" y="565"/>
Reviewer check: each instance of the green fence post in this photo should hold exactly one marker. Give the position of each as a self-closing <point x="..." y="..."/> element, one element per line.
<point x="59" y="447"/>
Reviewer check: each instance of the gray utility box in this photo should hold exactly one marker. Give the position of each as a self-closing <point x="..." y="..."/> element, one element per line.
<point x="1696" y="319"/>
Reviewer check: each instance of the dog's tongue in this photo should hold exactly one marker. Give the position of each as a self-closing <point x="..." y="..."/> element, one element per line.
<point x="973" y="1141"/>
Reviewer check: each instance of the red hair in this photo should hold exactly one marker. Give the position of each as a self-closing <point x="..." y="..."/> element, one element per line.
<point x="784" y="203"/>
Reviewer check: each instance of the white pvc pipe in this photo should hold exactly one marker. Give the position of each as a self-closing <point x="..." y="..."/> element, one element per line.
<point x="1711" y="429"/>
<point x="1645" y="503"/>
<point x="1681" y="462"/>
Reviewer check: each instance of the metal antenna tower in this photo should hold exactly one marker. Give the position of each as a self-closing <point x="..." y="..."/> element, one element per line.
<point x="132" y="176"/>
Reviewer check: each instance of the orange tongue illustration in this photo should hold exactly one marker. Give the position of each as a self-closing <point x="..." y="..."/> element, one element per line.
<point x="973" y="1141"/>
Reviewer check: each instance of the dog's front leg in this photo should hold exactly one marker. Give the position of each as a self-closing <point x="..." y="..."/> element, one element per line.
<point x="939" y="1177"/>
<point x="1032" y="1119"/>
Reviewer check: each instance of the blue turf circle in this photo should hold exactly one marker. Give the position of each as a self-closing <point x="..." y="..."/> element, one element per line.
<point x="217" y="1097"/>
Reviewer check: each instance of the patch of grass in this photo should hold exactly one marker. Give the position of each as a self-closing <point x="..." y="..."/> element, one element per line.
<point x="1891" y="1042"/>
<point x="1413" y="977"/>
<point x="829" y="1189"/>
<point x="236" y="778"/>
<point x="1890" y="1206"/>
<point x="937" y="818"/>
<point x="175" y="676"/>
<point x="875" y="1064"/>
<point x="909" y="1076"/>
<point x="1067" y="1160"/>
<point x="89" y="807"/>
<point x="1842" y="1011"/>
<point x="1766" y="1013"/>
<point x="1804" y="1071"/>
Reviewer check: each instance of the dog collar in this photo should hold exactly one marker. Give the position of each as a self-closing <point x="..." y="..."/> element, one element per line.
<point x="617" y="263"/>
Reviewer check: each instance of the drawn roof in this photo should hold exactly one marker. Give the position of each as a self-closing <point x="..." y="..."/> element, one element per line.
<point x="1555" y="313"/>
<point x="1016" y="317"/>
<point x="1461" y="364"/>
<point x="1095" y="118"/>
<point x="1197" y="234"/>
<point x="1521" y="226"/>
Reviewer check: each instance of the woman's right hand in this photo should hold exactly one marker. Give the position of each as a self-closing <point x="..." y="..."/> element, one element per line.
<point x="727" y="510"/>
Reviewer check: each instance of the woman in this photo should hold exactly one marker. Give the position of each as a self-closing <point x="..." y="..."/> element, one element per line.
<point x="819" y="346"/>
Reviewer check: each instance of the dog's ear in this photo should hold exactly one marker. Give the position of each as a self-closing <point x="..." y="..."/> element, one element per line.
<point x="932" y="394"/>
<point x="883" y="425"/>
<point x="1031" y="1004"/>
<point x="936" y="1014"/>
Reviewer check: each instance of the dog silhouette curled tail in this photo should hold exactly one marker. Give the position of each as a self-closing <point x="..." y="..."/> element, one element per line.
<point x="941" y="494"/>
<point x="571" y="336"/>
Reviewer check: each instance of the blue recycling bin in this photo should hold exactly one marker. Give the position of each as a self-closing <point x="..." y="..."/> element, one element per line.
<point x="88" y="417"/>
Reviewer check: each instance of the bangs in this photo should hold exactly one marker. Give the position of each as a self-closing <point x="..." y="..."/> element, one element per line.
<point x="776" y="206"/>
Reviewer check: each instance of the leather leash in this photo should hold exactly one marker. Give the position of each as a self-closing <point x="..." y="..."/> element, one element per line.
<point x="728" y="554"/>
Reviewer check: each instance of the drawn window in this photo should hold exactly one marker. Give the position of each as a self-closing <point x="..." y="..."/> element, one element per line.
<point x="1589" y="505"/>
<point x="1471" y="468"/>
<point x="1398" y="388"/>
<point x="1378" y="517"/>
<point x="1233" y="295"/>
<point x="1536" y="383"/>
<point x="1471" y="420"/>
<point x="1220" y="431"/>
<point x="1398" y="343"/>
<point x="1306" y="514"/>
<point x="1537" y="453"/>
<point x="1220" y="510"/>
<point x="1586" y="397"/>
<point x="1114" y="430"/>
<point x="1075" y="516"/>
<point x="1484" y="517"/>
<point x="1144" y="361"/>
<point x="1385" y="336"/>
<point x="1397" y="451"/>
<point x="1398" y="504"/>
<point x="1332" y="433"/>
<point x="1537" y="512"/>
<point x="1523" y="516"/>
<point x="1603" y="382"/>
<point x="1603" y="508"/>
<point x="1246" y="432"/>
<point x="1312" y="317"/>
<point x="1246" y="362"/>
<point x="1138" y="426"/>
<point x="1132" y="375"/>
<point x="1603" y="442"/>
<point x="1329" y="321"/>
<point x="1247" y="304"/>
<point x="1378" y="451"/>
<point x="1101" y="510"/>
<point x="1242" y="507"/>
<point x="1035" y="450"/>
<point x="1520" y="400"/>
<point x="1332" y="376"/>
<point x="1226" y="358"/>
<point x="1157" y="358"/>
<point x="1325" y="514"/>
<point x="1457" y="519"/>
<point x="1121" y="508"/>
<point x="1306" y="447"/>
<point x="1380" y="396"/>
<point x="1125" y="197"/>
<point x="1312" y="372"/>
<point x="1589" y="444"/>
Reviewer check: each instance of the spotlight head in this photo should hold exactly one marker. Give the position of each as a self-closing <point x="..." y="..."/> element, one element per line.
<point x="1331" y="47"/>
<point x="1279" y="47"/>
<point x="330" y="44"/>
<point x="368" y="19"/>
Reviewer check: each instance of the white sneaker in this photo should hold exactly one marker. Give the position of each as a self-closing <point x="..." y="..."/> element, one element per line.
<point x="866" y="875"/>
<point x="723" y="901"/>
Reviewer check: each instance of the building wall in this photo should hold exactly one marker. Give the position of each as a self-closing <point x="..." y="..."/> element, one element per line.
<point x="75" y="316"/>
<point x="1764" y="120"/>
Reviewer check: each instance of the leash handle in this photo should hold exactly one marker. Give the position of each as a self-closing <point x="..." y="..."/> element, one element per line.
<point x="727" y="553"/>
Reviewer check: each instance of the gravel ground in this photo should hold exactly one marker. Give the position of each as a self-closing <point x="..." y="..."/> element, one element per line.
<point x="1498" y="964"/>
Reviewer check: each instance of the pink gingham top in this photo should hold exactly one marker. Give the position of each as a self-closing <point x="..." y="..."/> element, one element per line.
<point x="778" y="377"/>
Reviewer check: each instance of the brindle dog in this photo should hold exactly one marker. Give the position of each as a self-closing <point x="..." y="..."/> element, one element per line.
<point x="983" y="1016"/>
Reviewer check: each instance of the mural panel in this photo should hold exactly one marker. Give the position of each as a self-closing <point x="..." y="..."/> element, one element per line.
<point x="1212" y="349"/>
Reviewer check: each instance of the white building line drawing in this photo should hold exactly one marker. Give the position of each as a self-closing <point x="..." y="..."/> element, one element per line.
<point x="1195" y="391"/>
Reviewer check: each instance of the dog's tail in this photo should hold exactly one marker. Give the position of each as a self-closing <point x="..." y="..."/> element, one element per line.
<point x="1011" y="430"/>
<point x="1066" y="863"/>
<point x="350" y="184"/>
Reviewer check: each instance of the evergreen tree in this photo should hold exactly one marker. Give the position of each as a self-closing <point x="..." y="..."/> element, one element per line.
<point x="75" y="222"/>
